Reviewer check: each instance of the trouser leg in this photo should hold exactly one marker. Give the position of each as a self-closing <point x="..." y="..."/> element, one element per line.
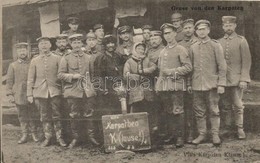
<point x="189" y="117"/>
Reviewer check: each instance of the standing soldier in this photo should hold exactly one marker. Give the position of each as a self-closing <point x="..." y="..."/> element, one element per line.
<point x="189" y="39"/>
<point x="238" y="58"/>
<point x="99" y="32"/>
<point x="125" y="47"/>
<point x="74" y="71"/>
<point x="208" y="81"/>
<point x="61" y="43"/>
<point x="45" y="88"/>
<point x="73" y="23"/>
<point x="146" y="34"/>
<point x="91" y="49"/>
<point x="176" y="22"/>
<point x="16" y="90"/>
<point x="174" y="63"/>
<point x="156" y="46"/>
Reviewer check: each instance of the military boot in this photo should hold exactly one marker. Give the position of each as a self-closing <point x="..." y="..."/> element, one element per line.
<point x="58" y="131"/>
<point x="75" y="135"/>
<point x="47" y="127"/>
<point x="239" y="119"/>
<point x="25" y="130"/>
<point x="34" y="131"/>
<point x="226" y="126"/>
<point x="202" y="129"/>
<point x="215" y="124"/>
<point x="180" y="130"/>
<point x="91" y="133"/>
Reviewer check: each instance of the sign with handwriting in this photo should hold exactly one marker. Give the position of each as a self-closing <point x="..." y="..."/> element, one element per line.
<point x="126" y="132"/>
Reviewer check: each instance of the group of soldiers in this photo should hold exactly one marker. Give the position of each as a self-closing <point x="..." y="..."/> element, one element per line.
<point x="179" y="84"/>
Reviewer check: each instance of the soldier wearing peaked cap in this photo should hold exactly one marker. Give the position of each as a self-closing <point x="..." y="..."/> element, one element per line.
<point x="73" y="23"/>
<point x="61" y="43"/>
<point x="44" y="87"/>
<point x="156" y="46"/>
<point x="176" y="19"/>
<point x="16" y="91"/>
<point x="174" y="64"/>
<point x="125" y="47"/>
<point x="146" y="34"/>
<point x="238" y="59"/>
<point x="208" y="80"/>
<point x="189" y="39"/>
<point x="74" y="71"/>
<point x="99" y="32"/>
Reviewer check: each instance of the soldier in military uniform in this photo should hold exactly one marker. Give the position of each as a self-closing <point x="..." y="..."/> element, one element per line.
<point x="99" y="32"/>
<point x="207" y="82"/>
<point x="74" y="71"/>
<point x="124" y="49"/>
<point x="176" y="22"/>
<point x="238" y="58"/>
<point x="91" y="49"/>
<point x="73" y="23"/>
<point x="174" y="64"/>
<point x="16" y="91"/>
<point x="146" y="34"/>
<point x="44" y="87"/>
<point x="189" y="39"/>
<point x="61" y="43"/>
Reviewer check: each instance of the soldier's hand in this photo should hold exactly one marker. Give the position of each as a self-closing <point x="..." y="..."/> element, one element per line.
<point x="243" y="85"/>
<point x="77" y="76"/>
<point x="30" y="99"/>
<point x="189" y="90"/>
<point x="221" y="90"/>
<point x="11" y="98"/>
<point x="167" y="72"/>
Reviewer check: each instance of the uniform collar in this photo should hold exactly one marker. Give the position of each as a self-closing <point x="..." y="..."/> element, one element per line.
<point x="127" y="44"/>
<point x="204" y="41"/>
<point x="234" y="34"/>
<point x="46" y="55"/>
<point x="172" y="46"/>
<point x="77" y="53"/>
<point x="189" y="39"/>
<point x="58" y="51"/>
<point x="91" y="51"/>
<point x="22" y="61"/>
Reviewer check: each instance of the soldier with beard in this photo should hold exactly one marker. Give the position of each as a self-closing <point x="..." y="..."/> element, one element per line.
<point x="61" y="43"/>
<point x="238" y="58"/>
<point x="16" y="90"/>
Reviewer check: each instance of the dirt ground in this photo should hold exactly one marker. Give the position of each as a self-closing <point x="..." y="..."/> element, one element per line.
<point x="230" y="151"/>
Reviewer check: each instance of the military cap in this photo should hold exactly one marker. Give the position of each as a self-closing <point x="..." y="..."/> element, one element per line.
<point x="155" y="33"/>
<point x="188" y="21"/>
<point x="91" y="34"/>
<point x="76" y="36"/>
<point x="61" y="36"/>
<point x="98" y="26"/>
<point x="42" y="38"/>
<point x="176" y="16"/>
<point x="109" y="38"/>
<point x="124" y="29"/>
<point x="73" y="20"/>
<point x="21" y="45"/>
<point x="167" y="25"/>
<point x="202" y="23"/>
<point x="229" y="19"/>
<point x="147" y="27"/>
